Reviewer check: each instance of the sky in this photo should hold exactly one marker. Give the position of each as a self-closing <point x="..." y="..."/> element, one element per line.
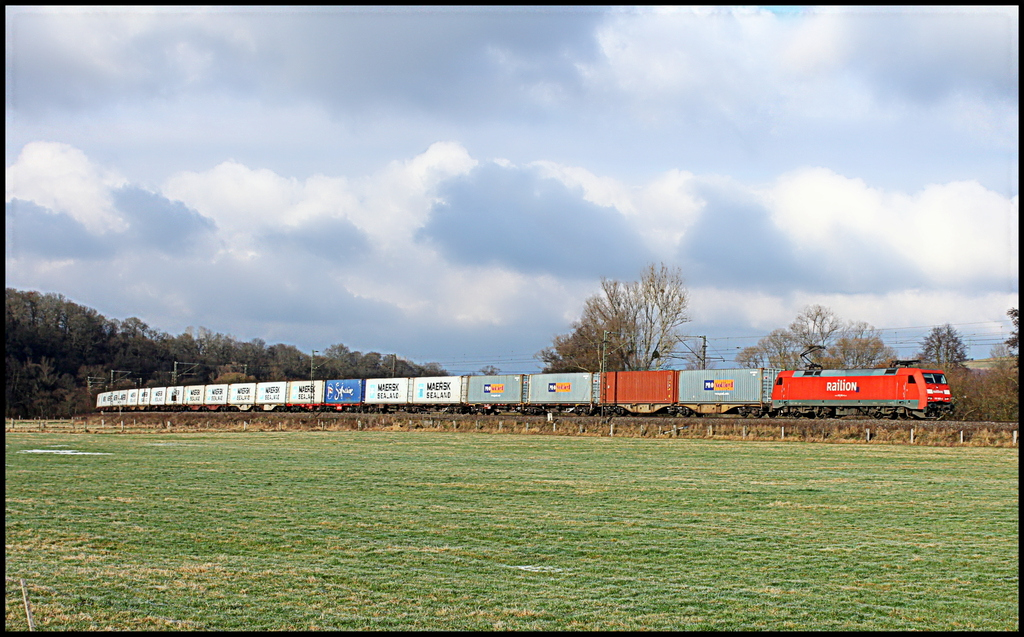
<point x="451" y="184"/>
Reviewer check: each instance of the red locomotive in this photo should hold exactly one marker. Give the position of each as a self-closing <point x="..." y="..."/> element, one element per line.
<point x="892" y="392"/>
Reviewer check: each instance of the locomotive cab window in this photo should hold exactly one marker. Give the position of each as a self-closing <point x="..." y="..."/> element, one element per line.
<point x="911" y="380"/>
<point x="778" y="381"/>
<point x="935" y="379"/>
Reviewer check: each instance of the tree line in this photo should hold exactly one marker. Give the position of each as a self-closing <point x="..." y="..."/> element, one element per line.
<point x="59" y="354"/>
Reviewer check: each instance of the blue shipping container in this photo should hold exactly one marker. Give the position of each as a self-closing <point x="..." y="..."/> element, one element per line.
<point x="347" y="392"/>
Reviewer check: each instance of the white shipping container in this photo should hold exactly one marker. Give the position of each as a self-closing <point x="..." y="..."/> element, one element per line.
<point x="242" y="393"/>
<point x="387" y="391"/>
<point x="133" y="398"/>
<point x="437" y="389"/>
<point x="158" y="397"/>
<point x="104" y="399"/>
<point x="145" y="395"/>
<point x="121" y="398"/>
<point x="216" y="395"/>
<point x="304" y="392"/>
<point x="273" y="393"/>
<point x="194" y="394"/>
<point x="175" y="396"/>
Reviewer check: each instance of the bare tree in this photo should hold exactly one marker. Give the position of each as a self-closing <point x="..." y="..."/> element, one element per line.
<point x="846" y="344"/>
<point x="624" y="325"/>
<point x="1012" y="342"/>
<point x="859" y="346"/>
<point x="943" y="347"/>
<point x="816" y="325"/>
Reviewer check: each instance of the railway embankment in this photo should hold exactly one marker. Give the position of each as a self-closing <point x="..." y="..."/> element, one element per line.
<point x="865" y="431"/>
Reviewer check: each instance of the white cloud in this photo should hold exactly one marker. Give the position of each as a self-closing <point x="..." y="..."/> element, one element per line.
<point x="953" y="233"/>
<point x="62" y="178"/>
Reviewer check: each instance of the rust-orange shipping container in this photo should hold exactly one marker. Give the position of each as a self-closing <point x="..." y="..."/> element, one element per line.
<point x="656" y="389"/>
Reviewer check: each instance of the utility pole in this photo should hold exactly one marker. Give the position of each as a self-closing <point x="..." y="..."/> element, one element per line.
<point x="702" y="357"/>
<point x="311" y="358"/>
<point x="121" y="375"/>
<point x="186" y="371"/>
<point x="604" y="356"/>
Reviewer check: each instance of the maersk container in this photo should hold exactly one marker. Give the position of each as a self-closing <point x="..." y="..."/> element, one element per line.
<point x="500" y="389"/>
<point x="194" y="395"/>
<point x="216" y="395"/>
<point x="561" y="388"/>
<point x="641" y="387"/>
<point x="272" y="393"/>
<point x="104" y="400"/>
<point x="242" y="394"/>
<point x="344" y="392"/>
<point x="389" y="391"/>
<point x="726" y="386"/>
<point x="305" y="392"/>
<point x="437" y="390"/>
<point x="175" y="396"/>
<point x="158" y="397"/>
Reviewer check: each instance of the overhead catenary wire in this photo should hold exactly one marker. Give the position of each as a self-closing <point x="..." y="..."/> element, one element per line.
<point x="906" y="340"/>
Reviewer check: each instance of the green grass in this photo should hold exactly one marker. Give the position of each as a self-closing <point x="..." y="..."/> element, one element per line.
<point x="381" y="530"/>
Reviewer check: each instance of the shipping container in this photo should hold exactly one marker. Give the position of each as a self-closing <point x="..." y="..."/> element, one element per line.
<point x="574" y="388"/>
<point x="387" y="391"/>
<point x="133" y="399"/>
<point x="717" y="391"/>
<point x="271" y="394"/>
<point x="305" y="392"/>
<point x="501" y="389"/>
<point x="104" y="400"/>
<point x="175" y="395"/>
<point x="194" y="395"/>
<point x="242" y="394"/>
<point x="216" y="395"/>
<point x="435" y="390"/>
<point x="158" y="397"/>
<point x="344" y="392"/>
<point x="641" y="392"/>
<point x="145" y="395"/>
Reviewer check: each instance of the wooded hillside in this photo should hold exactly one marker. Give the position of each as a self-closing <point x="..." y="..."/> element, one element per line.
<point x="57" y="350"/>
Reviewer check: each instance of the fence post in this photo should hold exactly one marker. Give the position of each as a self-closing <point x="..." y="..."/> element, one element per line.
<point x="911" y="435"/>
<point x="868" y="433"/>
<point x="783" y="432"/>
<point x="1014" y="437"/>
<point x="744" y="431"/>
<point x="961" y="436"/>
<point x="612" y="432"/>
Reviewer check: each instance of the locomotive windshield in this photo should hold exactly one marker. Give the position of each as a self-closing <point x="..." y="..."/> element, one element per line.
<point x="936" y="379"/>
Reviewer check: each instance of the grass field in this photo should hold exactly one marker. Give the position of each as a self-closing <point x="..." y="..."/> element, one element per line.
<point x="399" y="530"/>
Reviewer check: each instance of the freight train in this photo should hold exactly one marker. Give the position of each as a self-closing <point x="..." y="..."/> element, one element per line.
<point x="893" y="392"/>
